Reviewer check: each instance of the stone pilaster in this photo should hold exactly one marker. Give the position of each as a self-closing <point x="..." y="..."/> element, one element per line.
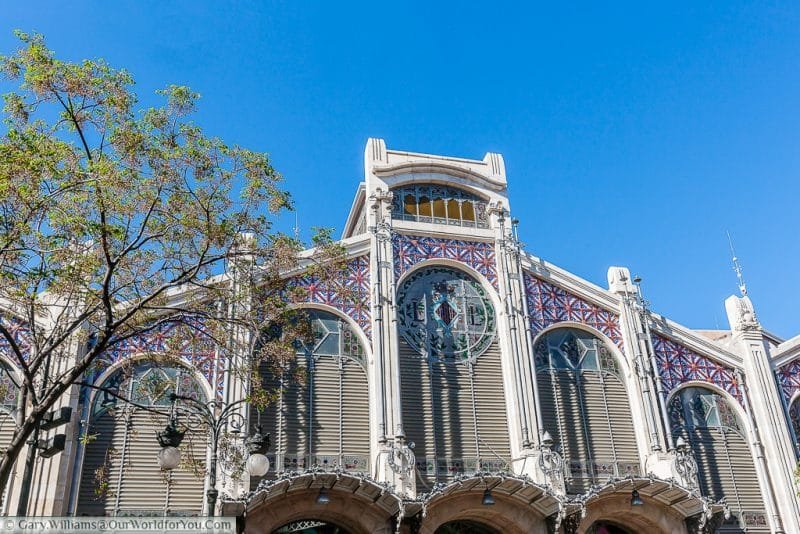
<point x="769" y="433"/>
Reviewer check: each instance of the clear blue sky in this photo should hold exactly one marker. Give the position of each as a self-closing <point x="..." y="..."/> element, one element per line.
<point x="632" y="135"/>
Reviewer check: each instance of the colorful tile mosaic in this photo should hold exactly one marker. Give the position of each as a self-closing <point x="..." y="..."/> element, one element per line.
<point x="549" y="304"/>
<point x="21" y="335"/>
<point x="350" y="296"/>
<point x="678" y="365"/>
<point x="789" y="379"/>
<point x="410" y="250"/>
<point x="197" y="351"/>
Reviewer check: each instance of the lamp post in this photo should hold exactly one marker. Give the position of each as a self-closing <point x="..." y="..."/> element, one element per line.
<point x="217" y="418"/>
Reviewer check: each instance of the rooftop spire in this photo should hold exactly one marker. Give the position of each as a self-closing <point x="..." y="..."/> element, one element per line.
<point x="737" y="268"/>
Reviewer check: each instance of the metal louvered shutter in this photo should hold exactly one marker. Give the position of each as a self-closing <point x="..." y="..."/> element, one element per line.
<point x="134" y="484"/>
<point x="355" y="417"/>
<point x="324" y="389"/>
<point x="495" y="442"/>
<point x="590" y="420"/>
<point x="438" y="415"/>
<point x="726" y="469"/>
<point x="7" y="431"/>
<point x="97" y="494"/>
<point x="338" y="426"/>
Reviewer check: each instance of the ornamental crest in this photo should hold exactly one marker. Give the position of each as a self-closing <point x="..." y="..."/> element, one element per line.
<point x="446" y="315"/>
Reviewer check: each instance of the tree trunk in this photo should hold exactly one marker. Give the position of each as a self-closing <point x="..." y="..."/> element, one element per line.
<point x="12" y="453"/>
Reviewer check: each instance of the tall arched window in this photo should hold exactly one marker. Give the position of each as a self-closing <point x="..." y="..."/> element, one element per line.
<point x="450" y="376"/>
<point x="439" y="204"/>
<point x="120" y="474"/>
<point x="725" y="466"/>
<point x="585" y="407"/>
<point x="320" y="417"/>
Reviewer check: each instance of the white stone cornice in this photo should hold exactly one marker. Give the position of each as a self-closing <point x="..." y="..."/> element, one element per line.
<point x="447" y="168"/>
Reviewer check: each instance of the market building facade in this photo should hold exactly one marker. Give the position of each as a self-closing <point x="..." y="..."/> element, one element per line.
<point x="460" y="384"/>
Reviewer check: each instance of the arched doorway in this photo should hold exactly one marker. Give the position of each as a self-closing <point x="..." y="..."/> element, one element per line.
<point x="451" y="378"/>
<point x="488" y="504"/>
<point x="585" y="407"/>
<point x="465" y="526"/>
<point x="353" y="504"/>
<point x="605" y="527"/>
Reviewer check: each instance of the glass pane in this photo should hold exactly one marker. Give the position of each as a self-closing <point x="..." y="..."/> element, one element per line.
<point x="410" y="204"/>
<point x="467" y="211"/>
<point x="425" y="206"/>
<point x="453" y="210"/>
<point x="439" y="208"/>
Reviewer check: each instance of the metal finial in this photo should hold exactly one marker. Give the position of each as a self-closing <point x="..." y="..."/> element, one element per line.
<point x="736" y="267"/>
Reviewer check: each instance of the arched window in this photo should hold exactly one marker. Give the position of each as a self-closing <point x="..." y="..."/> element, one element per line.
<point x="585" y="407"/>
<point x="439" y="204"/>
<point x="451" y="376"/>
<point x="120" y="474"/>
<point x="725" y="466"/>
<point x="320" y="417"/>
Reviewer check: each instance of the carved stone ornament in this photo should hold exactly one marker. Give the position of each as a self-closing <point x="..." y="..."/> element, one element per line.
<point x="741" y="315"/>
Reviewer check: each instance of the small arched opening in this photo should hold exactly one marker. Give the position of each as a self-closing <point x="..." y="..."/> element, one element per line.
<point x="120" y="473"/>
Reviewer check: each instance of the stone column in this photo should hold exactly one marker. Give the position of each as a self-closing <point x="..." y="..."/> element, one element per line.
<point x="769" y="432"/>
<point x="524" y="424"/>
<point x="646" y="400"/>
<point x="237" y="357"/>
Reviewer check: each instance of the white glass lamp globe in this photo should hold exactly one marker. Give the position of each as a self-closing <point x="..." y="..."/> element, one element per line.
<point x="169" y="458"/>
<point x="257" y="465"/>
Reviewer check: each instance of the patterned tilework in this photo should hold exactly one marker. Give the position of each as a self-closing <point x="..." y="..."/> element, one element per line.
<point x="352" y="299"/>
<point x="549" y="304"/>
<point x="199" y="354"/>
<point x="410" y="250"/>
<point x="789" y="379"/>
<point x="19" y="332"/>
<point x="677" y="365"/>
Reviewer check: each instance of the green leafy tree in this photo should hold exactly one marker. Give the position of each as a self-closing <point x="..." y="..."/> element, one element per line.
<point x="115" y="219"/>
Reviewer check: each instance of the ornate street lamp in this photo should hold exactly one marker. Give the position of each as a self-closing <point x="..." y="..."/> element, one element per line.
<point x="217" y="418"/>
<point x="169" y="457"/>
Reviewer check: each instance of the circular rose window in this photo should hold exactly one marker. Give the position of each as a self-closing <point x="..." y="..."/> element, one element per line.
<point x="445" y="315"/>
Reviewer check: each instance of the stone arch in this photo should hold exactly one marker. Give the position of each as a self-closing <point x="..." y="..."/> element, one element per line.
<point x="442" y="177"/>
<point x="665" y="507"/>
<point x="520" y="506"/>
<point x="650" y="517"/>
<point x="358" y="504"/>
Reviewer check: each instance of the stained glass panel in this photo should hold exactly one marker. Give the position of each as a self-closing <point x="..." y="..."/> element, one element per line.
<point x="446" y="315"/>
<point x="571" y="349"/>
<point x="697" y="407"/>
